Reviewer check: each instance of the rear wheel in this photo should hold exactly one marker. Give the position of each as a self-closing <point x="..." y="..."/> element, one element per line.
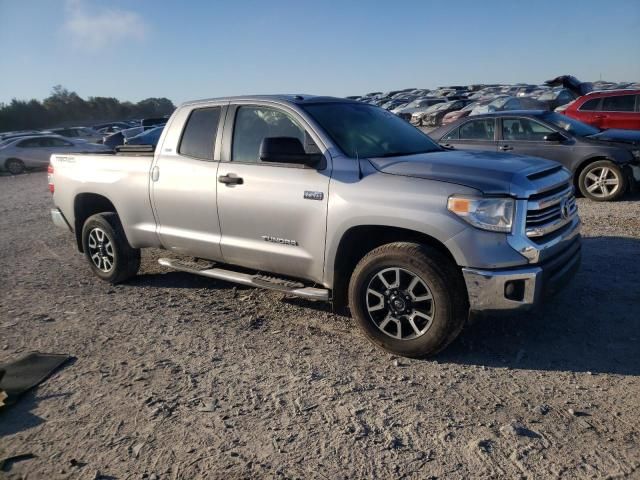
<point x="408" y="299"/>
<point x="602" y="181"/>
<point x="105" y="245"/>
<point x="15" y="166"/>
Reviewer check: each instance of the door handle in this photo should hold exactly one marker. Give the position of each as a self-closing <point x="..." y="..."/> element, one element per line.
<point x="155" y="174"/>
<point x="229" y="180"/>
<point x="505" y="148"/>
<point x="599" y="116"/>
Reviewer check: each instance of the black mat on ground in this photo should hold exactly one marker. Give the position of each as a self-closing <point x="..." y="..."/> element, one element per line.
<point x="31" y="370"/>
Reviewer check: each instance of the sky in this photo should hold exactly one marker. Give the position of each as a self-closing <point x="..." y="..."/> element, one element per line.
<point x="187" y="50"/>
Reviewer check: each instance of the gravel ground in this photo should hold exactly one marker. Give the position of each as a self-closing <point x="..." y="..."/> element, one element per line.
<point x="186" y="377"/>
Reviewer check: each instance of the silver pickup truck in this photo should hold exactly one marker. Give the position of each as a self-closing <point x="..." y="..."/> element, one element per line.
<point x="334" y="200"/>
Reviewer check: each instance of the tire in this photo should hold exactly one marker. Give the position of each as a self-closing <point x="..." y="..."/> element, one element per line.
<point x="438" y="278"/>
<point x="14" y="166"/>
<point x="591" y="181"/>
<point x="107" y="250"/>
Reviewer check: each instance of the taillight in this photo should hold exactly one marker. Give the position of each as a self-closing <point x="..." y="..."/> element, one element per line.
<point x="50" y="178"/>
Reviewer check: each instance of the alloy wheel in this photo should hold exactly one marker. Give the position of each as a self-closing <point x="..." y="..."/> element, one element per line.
<point x="602" y="182"/>
<point x="101" y="250"/>
<point x="400" y="303"/>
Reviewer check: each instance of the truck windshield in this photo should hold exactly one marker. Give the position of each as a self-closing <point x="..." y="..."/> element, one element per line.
<point x="362" y="130"/>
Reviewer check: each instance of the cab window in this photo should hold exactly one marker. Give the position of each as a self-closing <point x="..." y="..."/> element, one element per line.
<point x="253" y="124"/>
<point x="199" y="135"/>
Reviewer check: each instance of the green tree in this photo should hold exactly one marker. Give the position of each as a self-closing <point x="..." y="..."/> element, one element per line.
<point x="64" y="107"/>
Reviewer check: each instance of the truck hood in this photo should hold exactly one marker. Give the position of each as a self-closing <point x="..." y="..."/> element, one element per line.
<point x="492" y="173"/>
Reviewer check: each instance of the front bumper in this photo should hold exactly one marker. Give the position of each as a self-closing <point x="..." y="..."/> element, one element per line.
<point x="521" y="288"/>
<point x="58" y="219"/>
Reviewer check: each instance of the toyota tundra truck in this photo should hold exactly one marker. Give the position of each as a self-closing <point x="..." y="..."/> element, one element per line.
<point x="331" y="200"/>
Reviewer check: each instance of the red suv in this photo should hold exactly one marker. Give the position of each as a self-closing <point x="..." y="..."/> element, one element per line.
<point x="607" y="109"/>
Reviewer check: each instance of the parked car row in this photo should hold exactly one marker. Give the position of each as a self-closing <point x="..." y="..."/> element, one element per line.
<point x="22" y="150"/>
<point x="602" y="104"/>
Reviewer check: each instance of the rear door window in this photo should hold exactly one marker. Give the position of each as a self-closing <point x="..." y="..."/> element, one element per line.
<point x="590" y="105"/>
<point x="619" y="103"/>
<point x="29" y="143"/>
<point x="199" y="135"/>
<point x="55" y="142"/>
<point x="478" y="130"/>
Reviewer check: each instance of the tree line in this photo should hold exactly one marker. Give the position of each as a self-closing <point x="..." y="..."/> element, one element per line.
<point x="65" y="108"/>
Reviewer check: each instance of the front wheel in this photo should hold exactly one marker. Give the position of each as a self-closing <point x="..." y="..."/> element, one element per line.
<point x="602" y="181"/>
<point x="105" y="245"/>
<point x="408" y="299"/>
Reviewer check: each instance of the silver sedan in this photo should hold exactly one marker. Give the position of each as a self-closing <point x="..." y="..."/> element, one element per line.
<point x="18" y="154"/>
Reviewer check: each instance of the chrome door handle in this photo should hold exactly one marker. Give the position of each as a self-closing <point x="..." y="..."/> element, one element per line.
<point x="505" y="148"/>
<point x="229" y="180"/>
<point x="155" y="174"/>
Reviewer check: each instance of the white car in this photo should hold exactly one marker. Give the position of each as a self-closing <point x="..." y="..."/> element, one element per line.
<point x="18" y="154"/>
<point x="79" y="133"/>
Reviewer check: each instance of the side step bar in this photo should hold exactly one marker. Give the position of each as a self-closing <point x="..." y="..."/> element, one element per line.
<point x="259" y="281"/>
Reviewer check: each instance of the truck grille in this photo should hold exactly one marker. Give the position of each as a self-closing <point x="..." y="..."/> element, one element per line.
<point x="550" y="211"/>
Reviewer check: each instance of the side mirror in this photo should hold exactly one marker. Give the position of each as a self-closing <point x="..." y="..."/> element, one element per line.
<point x="554" y="137"/>
<point x="287" y="150"/>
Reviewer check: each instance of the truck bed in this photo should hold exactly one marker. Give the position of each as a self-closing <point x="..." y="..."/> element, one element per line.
<point x="121" y="178"/>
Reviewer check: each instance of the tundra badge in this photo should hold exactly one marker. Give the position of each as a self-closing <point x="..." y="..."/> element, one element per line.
<point x="283" y="241"/>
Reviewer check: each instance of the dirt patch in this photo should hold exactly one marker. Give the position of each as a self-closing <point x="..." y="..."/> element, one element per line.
<point x="185" y="377"/>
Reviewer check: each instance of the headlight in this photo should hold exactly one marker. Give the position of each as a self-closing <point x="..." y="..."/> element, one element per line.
<point x="493" y="214"/>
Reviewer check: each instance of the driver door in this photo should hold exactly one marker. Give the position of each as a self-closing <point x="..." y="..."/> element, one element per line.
<point x="525" y="136"/>
<point x="272" y="216"/>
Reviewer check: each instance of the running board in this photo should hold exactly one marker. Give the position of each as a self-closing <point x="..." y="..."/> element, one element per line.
<point x="255" y="280"/>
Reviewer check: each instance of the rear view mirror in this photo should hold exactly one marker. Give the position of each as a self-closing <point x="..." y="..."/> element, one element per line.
<point x="286" y="150"/>
<point x="554" y="137"/>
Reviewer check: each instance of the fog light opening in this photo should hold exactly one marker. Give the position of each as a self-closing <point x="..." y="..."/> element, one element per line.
<point x="514" y="290"/>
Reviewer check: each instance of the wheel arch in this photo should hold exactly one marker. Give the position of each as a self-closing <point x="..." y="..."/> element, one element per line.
<point x="86" y="205"/>
<point x="359" y="240"/>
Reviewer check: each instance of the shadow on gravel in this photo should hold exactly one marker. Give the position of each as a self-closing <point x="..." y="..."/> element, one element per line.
<point x="591" y="326"/>
<point x="18" y="417"/>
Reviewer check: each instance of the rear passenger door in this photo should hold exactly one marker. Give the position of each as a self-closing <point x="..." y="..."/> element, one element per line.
<point x="273" y="218"/>
<point x="183" y="182"/>
<point x="477" y="134"/>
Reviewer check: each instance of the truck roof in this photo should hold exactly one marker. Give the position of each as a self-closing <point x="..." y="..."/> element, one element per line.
<point x="286" y="98"/>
